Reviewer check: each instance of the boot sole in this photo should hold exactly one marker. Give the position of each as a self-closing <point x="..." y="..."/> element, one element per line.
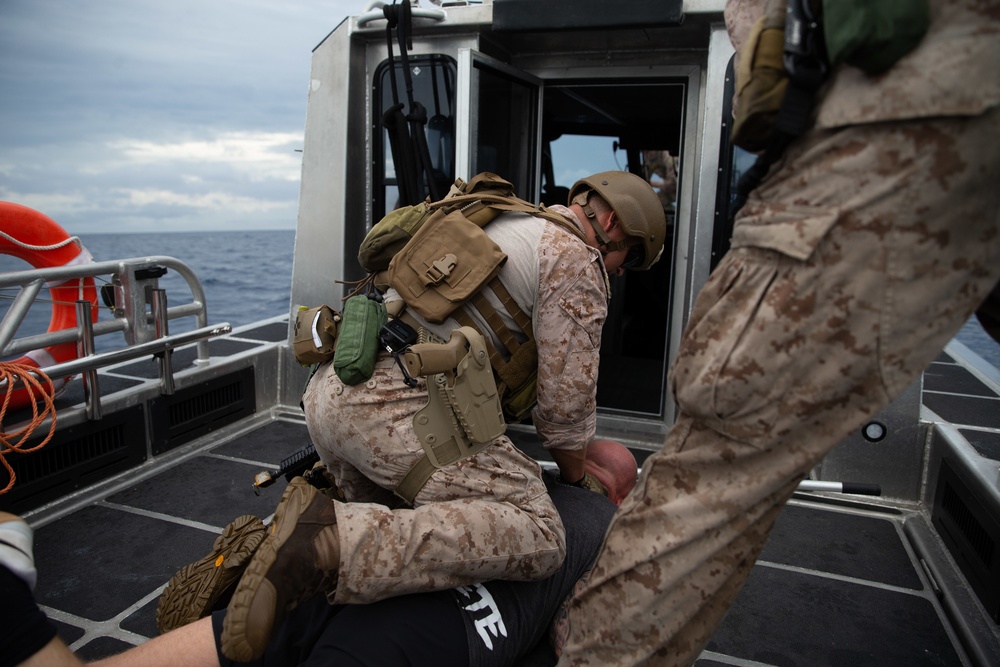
<point x="194" y="591"/>
<point x="235" y="644"/>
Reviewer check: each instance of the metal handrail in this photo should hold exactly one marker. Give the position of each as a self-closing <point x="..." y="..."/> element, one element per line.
<point x="153" y="347"/>
<point x="162" y="346"/>
<point x="128" y="318"/>
<point x="135" y="286"/>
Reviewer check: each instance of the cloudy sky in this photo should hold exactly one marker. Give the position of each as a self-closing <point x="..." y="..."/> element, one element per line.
<point x="165" y="115"/>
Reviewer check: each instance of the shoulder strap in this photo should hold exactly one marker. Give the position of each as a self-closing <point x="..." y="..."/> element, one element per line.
<point x="542" y="212"/>
<point x="470" y="203"/>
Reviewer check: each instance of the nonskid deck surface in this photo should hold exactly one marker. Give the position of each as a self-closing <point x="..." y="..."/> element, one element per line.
<point x="835" y="585"/>
<point x="102" y="567"/>
<point x="969" y="401"/>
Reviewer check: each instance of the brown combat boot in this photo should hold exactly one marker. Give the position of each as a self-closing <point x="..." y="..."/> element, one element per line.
<point x="298" y="559"/>
<point x="197" y="588"/>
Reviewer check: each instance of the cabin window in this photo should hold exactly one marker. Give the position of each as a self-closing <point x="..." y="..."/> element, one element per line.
<point x="433" y="80"/>
<point x="504" y="126"/>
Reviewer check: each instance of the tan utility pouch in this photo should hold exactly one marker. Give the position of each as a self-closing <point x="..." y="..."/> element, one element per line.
<point x="314" y="338"/>
<point x="463" y="413"/>
<point x="448" y="260"/>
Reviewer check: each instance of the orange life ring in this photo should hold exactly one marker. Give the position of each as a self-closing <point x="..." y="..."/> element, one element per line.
<point x="40" y="241"/>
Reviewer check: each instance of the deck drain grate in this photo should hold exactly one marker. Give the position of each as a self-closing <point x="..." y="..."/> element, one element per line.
<point x="77" y="456"/>
<point x="200" y="409"/>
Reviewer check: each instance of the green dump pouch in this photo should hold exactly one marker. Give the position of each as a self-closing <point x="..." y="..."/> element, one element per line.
<point x="873" y="34"/>
<point x="357" y="340"/>
<point x="389" y="235"/>
<point x="447" y="261"/>
<point x="314" y="338"/>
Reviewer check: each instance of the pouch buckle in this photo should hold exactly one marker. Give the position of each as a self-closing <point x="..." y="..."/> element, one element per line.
<point x="441" y="269"/>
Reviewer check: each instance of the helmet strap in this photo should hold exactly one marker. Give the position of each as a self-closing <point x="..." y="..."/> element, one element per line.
<point x="605" y="244"/>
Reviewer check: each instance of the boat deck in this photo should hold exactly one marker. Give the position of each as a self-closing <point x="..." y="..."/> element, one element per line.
<point x="836" y="584"/>
<point x="841" y="581"/>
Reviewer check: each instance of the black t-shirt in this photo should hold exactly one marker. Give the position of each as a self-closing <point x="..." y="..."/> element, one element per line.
<point x="502" y="620"/>
<point x="505" y="620"/>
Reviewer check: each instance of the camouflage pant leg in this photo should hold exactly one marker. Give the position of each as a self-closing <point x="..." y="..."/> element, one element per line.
<point x="485" y="517"/>
<point x="784" y="356"/>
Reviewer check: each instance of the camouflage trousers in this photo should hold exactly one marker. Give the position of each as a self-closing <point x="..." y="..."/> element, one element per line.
<point x="485" y="517"/>
<point x="859" y="257"/>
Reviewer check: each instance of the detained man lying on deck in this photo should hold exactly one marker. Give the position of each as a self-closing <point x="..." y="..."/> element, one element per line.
<point x="484" y="625"/>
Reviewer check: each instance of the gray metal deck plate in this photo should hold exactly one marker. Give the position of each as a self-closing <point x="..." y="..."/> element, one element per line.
<point x="203" y="489"/>
<point x="965" y="410"/>
<point x="834" y="587"/>
<point x="954" y="379"/>
<point x="862" y="547"/>
<point x="184" y="357"/>
<point x="270" y="443"/>
<point x="275" y="332"/>
<point x="987" y="443"/>
<point x="792" y="618"/>
<point x="99" y="561"/>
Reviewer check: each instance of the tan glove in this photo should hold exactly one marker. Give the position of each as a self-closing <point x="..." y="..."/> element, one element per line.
<point x="591" y="483"/>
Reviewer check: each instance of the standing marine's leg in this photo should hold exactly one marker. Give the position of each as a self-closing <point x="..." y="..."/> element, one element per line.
<point x="853" y="265"/>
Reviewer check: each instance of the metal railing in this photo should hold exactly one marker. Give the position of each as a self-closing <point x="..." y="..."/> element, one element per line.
<point x="140" y="312"/>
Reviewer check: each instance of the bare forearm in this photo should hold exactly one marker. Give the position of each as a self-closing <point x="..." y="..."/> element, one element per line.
<point x="192" y="645"/>
<point x="571" y="463"/>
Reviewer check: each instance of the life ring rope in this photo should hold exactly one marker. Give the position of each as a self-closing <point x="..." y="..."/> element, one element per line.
<point x="42" y="248"/>
<point x="41" y="387"/>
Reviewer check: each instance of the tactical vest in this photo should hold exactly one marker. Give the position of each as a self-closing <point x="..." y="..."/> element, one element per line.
<point x="440" y="260"/>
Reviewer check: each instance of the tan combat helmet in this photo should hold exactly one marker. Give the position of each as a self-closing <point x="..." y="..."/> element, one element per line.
<point x="639" y="213"/>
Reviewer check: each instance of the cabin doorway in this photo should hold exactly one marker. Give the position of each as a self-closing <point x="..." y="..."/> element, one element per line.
<point x="637" y="127"/>
<point x="543" y="135"/>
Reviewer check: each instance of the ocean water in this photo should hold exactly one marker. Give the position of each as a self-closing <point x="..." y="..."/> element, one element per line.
<point x="976" y="339"/>
<point x="247" y="277"/>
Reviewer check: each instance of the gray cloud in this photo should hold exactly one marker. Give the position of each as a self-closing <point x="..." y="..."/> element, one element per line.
<point x="142" y="115"/>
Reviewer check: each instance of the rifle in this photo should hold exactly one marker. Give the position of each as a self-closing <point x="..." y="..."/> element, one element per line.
<point x="299" y="464"/>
